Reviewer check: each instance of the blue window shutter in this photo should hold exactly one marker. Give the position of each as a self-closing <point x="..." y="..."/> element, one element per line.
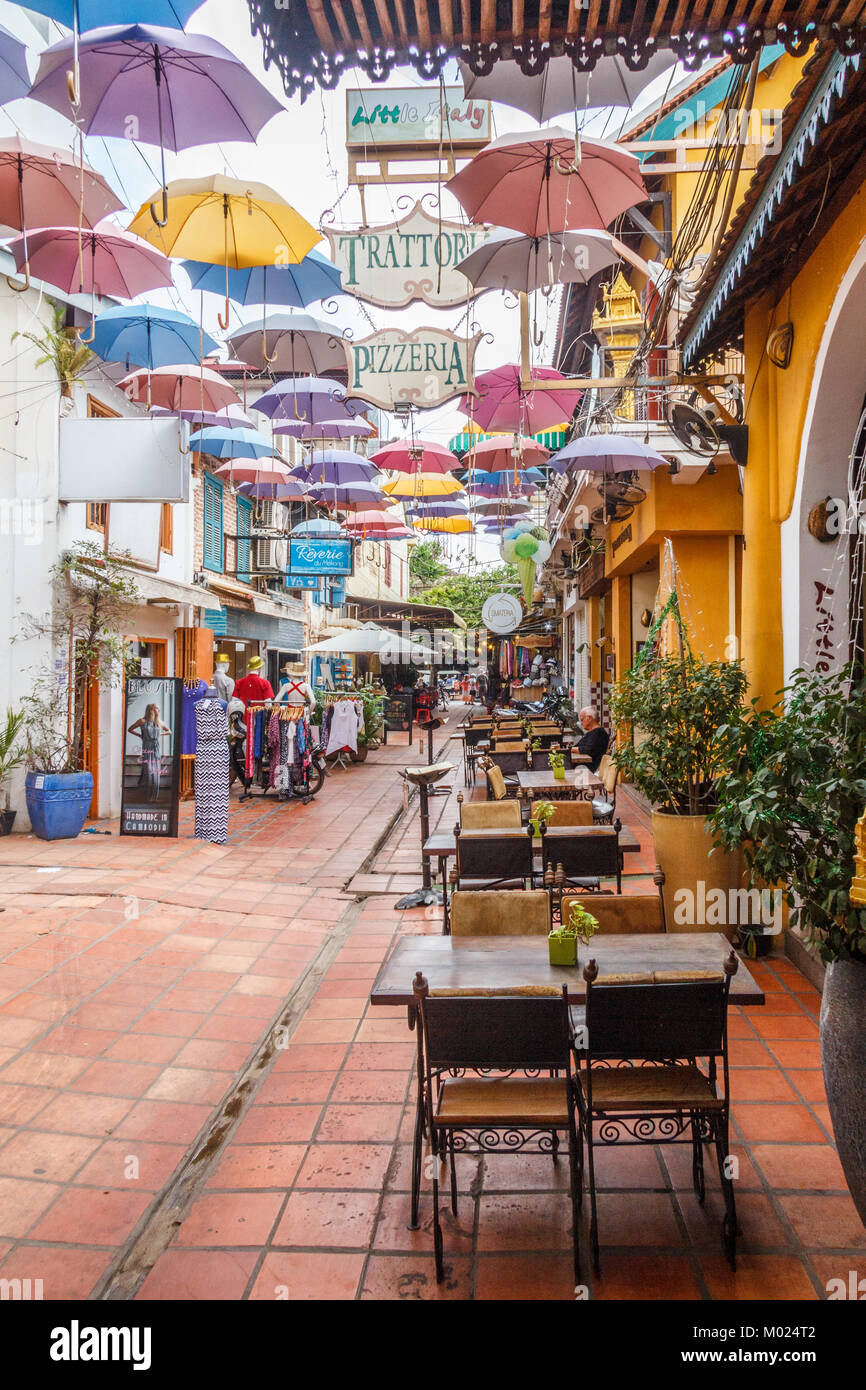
<point x="213" y="524"/>
<point x="244" y="547"/>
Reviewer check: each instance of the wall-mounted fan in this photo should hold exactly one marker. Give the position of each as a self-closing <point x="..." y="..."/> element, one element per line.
<point x="694" y="430"/>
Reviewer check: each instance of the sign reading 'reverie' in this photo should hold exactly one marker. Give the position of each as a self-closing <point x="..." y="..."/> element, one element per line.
<point x="320" y="557"/>
<point x="406" y="261"/>
<point x="422" y="368"/>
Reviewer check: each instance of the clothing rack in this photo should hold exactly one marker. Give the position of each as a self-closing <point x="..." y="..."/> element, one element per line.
<point x="259" y="766"/>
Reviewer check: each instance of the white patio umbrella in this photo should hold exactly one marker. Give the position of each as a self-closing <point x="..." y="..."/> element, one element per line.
<point x="508" y="261"/>
<point x="371" y="640"/>
<point x="560" y="87"/>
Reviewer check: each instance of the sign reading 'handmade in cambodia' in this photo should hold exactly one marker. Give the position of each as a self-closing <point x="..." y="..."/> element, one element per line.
<point x="402" y="262"/>
<point x="422" y="368"/>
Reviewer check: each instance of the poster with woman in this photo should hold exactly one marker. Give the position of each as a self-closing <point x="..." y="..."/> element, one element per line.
<point x="151" y="756"/>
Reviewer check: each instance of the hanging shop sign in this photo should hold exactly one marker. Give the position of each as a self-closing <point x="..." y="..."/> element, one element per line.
<point x="150" y="788"/>
<point x="422" y="368"/>
<point x="415" y="116"/>
<point x="501" y="613"/>
<point x="320" y="557"/>
<point x="308" y="582"/>
<point x="408" y="261"/>
<point x="397" y="713"/>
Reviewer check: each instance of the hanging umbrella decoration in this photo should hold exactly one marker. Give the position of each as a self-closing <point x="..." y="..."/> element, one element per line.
<point x="607" y="454"/>
<point x="559" y="87"/>
<point x="508" y="261"/>
<point x="231" y="444"/>
<point x="423" y="485"/>
<point x="308" y="400"/>
<point x="145" y="335"/>
<point x="293" y="343"/>
<point x="102" y="262"/>
<point x="14" y="75"/>
<point x="178" y="90"/>
<point x="415" y="456"/>
<point x="527" y="547"/>
<point x="291" y="286"/>
<point x="229" y="417"/>
<point x="179" y="389"/>
<point x="501" y="403"/>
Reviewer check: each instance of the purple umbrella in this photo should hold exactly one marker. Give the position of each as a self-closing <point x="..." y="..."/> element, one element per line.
<point x="307" y="399"/>
<point x="336" y="467"/>
<point x="606" y="453"/>
<point x="158" y="85"/>
<point x="290" y="490"/>
<point x="326" y="429"/>
<point x="229" y="417"/>
<point x="348" y="495"/>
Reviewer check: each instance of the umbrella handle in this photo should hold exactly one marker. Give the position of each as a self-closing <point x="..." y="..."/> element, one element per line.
<point x="225" y="324"/>
<point x="161" y="221"/>
<point x="270" y="360"/>
<point x="19" y="289"/>
<point x="80" y="336"/>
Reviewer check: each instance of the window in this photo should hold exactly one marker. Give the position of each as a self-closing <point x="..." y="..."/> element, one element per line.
<point x="166" y="529"/>
<point x="212" y="549"/>
<point x="244" y="547"/>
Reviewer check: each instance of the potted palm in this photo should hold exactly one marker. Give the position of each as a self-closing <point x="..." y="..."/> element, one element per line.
<point x="12" y="755"/>
<point x="677" y="715"/>
<point x="792" y="802"/>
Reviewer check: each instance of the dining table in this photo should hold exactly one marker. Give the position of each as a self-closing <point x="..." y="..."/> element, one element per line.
<point x="539" y="782"/>
<point x="486" y="963"/>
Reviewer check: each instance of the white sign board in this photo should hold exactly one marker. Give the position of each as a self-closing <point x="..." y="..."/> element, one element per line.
<point x="501" y="613"/>
<point x="401" y="262"/>
<point x="422" y="368"/>
<point x="415" y="116"/>
<point x="133" y="529"/>
<point x="118" y="460"/>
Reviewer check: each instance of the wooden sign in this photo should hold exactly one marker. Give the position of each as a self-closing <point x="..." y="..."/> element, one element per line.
<point x="403" y="262"/>
<point x="421" y="368"/>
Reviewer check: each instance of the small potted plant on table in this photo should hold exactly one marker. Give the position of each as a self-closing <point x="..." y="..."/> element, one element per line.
<point x="544" y="813"/>
<point x="563" y="940"/>
<point x="556" y="763"/>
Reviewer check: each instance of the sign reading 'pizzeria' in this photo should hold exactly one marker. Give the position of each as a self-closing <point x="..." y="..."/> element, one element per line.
<point x="401" y="262"/>
<point x="422" y="368"/>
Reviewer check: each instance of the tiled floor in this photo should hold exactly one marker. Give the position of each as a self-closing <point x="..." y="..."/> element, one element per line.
<point x="139" y="992"/>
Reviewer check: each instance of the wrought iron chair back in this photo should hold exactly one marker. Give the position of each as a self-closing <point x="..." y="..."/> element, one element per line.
<point x="493" y="857"/>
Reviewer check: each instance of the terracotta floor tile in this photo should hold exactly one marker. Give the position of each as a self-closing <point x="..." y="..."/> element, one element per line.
<point x="231" y="1218"/>
<point x="677" y="1160"/>
<point x="163" y="1120"/>
<point x="760" y="1228"/>
<point x="190" y="1084"/>
<point x="257" y="1166"/>
<point x="761" y="1083"/>
<point x="212" y="1054"/>
<point x="784" y="1027"/>
<point x="90" y="1216"/>
<point x="292" y="1088"/>
<point x="80" y="1042"/>
<point x="381" y="1056"/>
<point x="849" y="1268"/>
<point x="392" y="1230"/>
<point x="19" y="1104"/>
<point x="644" y="1218"/>
<point x="66" y="1274"/>
<point x="303" y="1275"/>
<point x="795" y="1054"/>
<point x="111" y="1165"/>
<point x="114" y="1078"/>
<point x="522" y="1221"/>
<point x="54" y="1157"/>
<point x="742" y="1053"/>
<point x="339" y="1220"/>
<point x="825" y="1222"/>
<point x="637" y="1277"/>
<point x="768" y="1278"/>
<point x="22" y="1203"/>
<point x="143" y="1047"/>
<point x="801" y="1167"/>
<point x="231" y="1028"/>
<point x="74" y="1113"/>
<point x="35" y="1068"/>
<point x="173" y="1023"/>
<point x="311" y="1057"/>
<point x="343" y="1166"/>
<point x="777" y="1123"/>
<point x="360" y="1123"/>
<point x="193" y="1275"/>
<point x="277" y="1124"/>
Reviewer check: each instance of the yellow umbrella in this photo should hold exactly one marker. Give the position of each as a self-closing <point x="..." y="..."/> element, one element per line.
<point x="452" y="525"/>
<point x="423" y="485"/>
<point x="227" y="222"/>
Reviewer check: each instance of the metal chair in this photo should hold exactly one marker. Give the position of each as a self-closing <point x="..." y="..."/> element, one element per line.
<point x="471" y="739"/>
<point x="492" y="859"/>
<point x="638" y="1078"/>
<point x="484" y="1033"/>
<point x="498" y="912"/>
<point x="586" y="855"/>
<point x="566" y="813"/>
<point x="488" y="815"/>
<point x="603" y="807"/>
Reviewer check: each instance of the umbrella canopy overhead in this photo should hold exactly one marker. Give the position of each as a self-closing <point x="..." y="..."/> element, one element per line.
<point x="509" y="451"/>
<point x="89" y="14"/>
<point x="231" y="444"/>
<point x="147" y="336"/>
<point x="444" y="525"/>
<point x="502" y="483"/>
<point x="229" y="417"/>
<point x="317" y="527"/>
<point x="375" y="521"/>
<point x="360" y="496"/>
<point x="502" y="404"/>
<point x="289" y="490"/>
<point x="14" y="74"/>
<point x="308" y="400"/>
<point x="559" y="87"/>
<point x="249" y="471"/>
<point x="423" y="485"/>
<point x="439" y="506"/>
<point x="44" y="187"/>
<point x="290" y="343"/>
<point x="529" y="182"/>
<point x="180" y="89"/>
<point x="229" y="223"/>
<point x="606" y="453"/>
<point x="415" y="456"/>
<point x="313" y="278"/>
<point x="181" y="388"/>
<point x="326" y="429"/>
<point x="507" y="261"/>
<point x="337" y="467"/>
<point x="111" y="262"/>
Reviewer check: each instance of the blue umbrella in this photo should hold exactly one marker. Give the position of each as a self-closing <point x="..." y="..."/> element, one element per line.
<point x="145" y="335"/>
<point x="231" y="444"/>
<point x="14" y="77"/>
<point x="95" y="14"/>
<point x="317" y="528"/>
<point x="313" y="278"/>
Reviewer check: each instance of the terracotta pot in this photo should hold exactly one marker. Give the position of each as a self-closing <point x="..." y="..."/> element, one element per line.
<point x="683" y="845"/>
<point x="843" y="1054"/>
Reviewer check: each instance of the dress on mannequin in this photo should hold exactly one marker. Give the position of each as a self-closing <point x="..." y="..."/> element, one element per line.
<point x="212" y="770"/>
<point x="223" y="683"/>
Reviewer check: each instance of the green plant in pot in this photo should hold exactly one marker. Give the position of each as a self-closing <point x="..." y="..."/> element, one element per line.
<point x="12" y="755"/>
<point x="793" y="801"/>
<point x="563" y="941"/>
<point x="556" y="763"/>
<point x="544" y="813"/>
<point x="677" y="716"/>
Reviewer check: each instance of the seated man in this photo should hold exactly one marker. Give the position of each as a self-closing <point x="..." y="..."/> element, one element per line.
<point x="594" y="740"/>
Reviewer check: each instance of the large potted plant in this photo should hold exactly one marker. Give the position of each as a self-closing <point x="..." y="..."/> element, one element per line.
<point x="93" y="599"/>
<point x="12" y="755"/>
<point x="677" y="716"/>
<point x="793" y="802"/>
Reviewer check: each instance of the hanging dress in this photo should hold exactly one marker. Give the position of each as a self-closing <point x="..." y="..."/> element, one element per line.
<point x="151" y="737"/>
<point x="211" y="772"/>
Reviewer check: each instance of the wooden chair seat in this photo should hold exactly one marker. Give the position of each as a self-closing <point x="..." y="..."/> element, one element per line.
<point x="503" y="1101"/>
<point x="489" y="815"/>
<point x="495" y="912"/>
<point x="628" y="914"/>
<point x="655" y="1088"/>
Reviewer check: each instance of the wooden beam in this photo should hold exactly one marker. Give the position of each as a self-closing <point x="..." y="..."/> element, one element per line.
<point x="544" y="12"/>
<point x="488" y="21"/>
<point x="320" y="24"/>
<point x="345" y="32"/>
<point x="384" y="18"/>
<point x="423" y="22"/>
<point x="446" y="25"/>
<point x="363" y="26"/>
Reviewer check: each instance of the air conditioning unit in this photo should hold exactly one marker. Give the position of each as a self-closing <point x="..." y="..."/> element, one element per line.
<point x="269" y="515"/>
<point x="272" y="556"/>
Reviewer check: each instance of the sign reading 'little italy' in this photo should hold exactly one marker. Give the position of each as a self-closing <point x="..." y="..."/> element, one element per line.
<point x="401" y="262"/>
<point x="422" y="368"/>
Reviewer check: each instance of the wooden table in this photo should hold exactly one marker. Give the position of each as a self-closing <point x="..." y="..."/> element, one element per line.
<point x="539" y="783"/>
<point x="497" y="962"/>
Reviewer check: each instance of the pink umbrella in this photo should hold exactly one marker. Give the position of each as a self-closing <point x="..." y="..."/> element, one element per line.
<point x="252" y="471"/>
<point x="110" y="261"/>
<point x="376" y="521"/>
<point x="195" y="389"/>
<point x="540" y="182"/>
<point x="502" y="404"/>
<point x="415" y="456"/>
<point x="497" y="455"/>
<point x="230" y="417"/>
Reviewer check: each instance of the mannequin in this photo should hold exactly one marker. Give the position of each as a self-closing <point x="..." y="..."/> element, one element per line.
<point x="253" y="686"/>
<point x="295" y="689"/>
<point x="223" y="682"/>
<point x="212" y="769"/>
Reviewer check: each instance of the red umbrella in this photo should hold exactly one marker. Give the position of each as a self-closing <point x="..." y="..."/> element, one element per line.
<point x="508" y="451"/>
<point x="181" y="388"/>
<point x="376" y="521"/>
<point x="253" y="471"/>
<point x="501" y="403"/>
<point x="548" y="181"/>
<point x="92" y="262"/>
<point x="415" y="456"/>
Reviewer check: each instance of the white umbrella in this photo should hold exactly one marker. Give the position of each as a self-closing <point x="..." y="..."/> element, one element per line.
<point x="560" y="87"/>
<point x="371" y="640"/>
<point x="508" y="261"/>
<point x="290" y="343"/>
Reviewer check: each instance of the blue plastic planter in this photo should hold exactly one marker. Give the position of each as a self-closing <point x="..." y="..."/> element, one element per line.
<point x="58" y="802"/>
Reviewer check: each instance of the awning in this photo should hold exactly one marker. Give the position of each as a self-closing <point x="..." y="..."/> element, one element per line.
<point x="154" y="589"/>
<point x="238" y="593"/>
<point x="462" y="443"/>
<point x="387" y="611"/>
